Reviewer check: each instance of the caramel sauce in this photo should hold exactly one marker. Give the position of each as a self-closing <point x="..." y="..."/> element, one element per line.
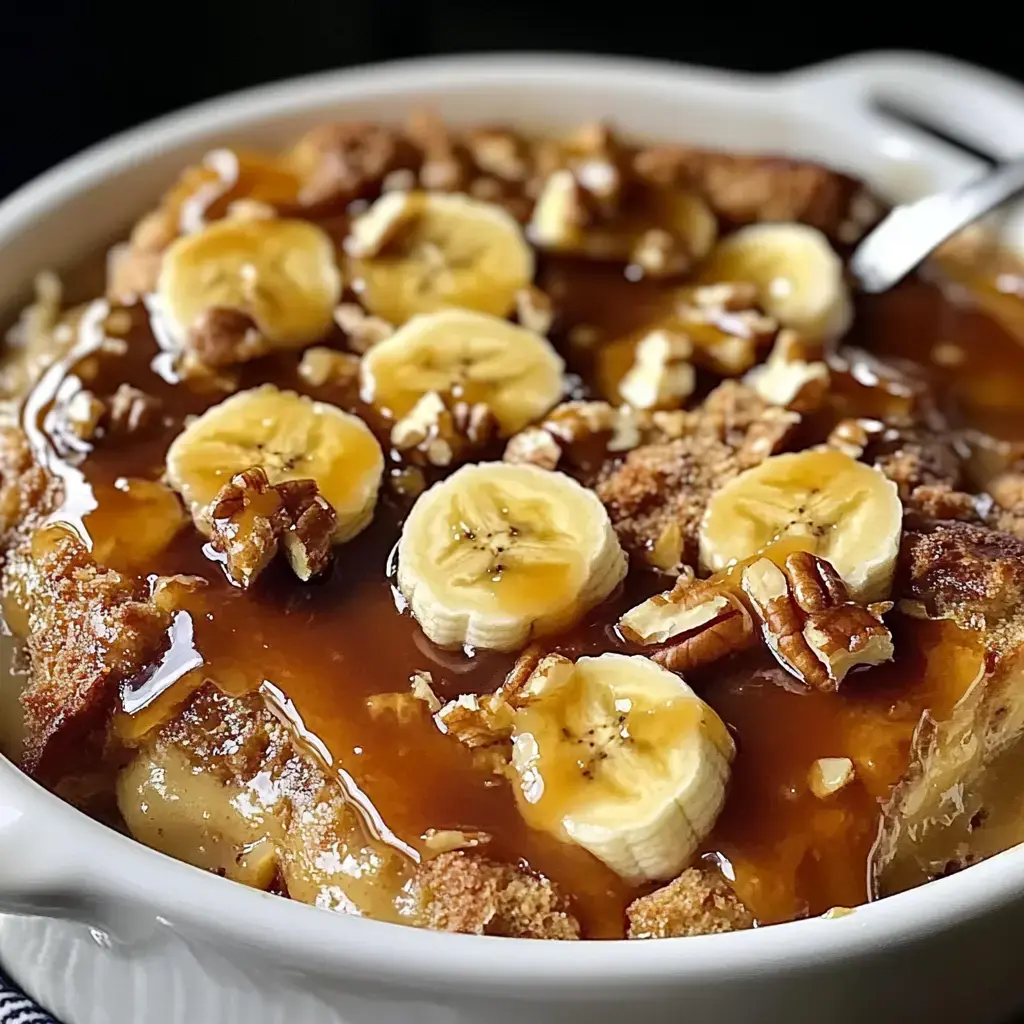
<point x="325" y="648"/>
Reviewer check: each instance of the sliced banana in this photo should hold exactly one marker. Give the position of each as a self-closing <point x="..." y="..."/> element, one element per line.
<point x="292" y="438"/>
<point x="418" y="252"/>
<point x="619" y="755"/>
<point x="470" y="356"/>
<point x="798" y="275"/>
<point x="820" y="501"/>
<point x="498" y="553"/>
<point x="282" y="273"/>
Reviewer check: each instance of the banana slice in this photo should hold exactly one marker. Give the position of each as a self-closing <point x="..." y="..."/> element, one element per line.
<point x="282" y="273"/>
<point x="292" y="438"/>
<point x="499" y="553"/>
<point x="820" y="501"/>
<point x="619" y="755"/>
<point x="470" y="356"/>
<point x="418" y="252"/>
<point x="798" y="275"/>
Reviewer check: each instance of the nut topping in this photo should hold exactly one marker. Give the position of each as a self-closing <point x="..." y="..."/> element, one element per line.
<point x="696" y="622"/>
<point x="322" y="366"/>
<point x="224" y="337"/>
<point x="828" y="775"/>
<point x="364" y="331"/>
<point x="432" y="433"/>
<point x="809" y="623"/>
<point x="249" y="517"/>
<point x="662" y="375"/>
<point x="535" y="446"/>
<point x="791" y="377"/>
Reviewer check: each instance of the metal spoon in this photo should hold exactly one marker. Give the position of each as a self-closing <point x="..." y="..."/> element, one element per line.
<point x="910" y="233"/>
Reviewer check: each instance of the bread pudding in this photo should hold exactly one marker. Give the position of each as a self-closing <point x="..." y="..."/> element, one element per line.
<point x="521" y="536"/>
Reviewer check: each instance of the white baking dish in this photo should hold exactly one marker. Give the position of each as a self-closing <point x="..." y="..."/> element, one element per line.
<point x="101" y="929"/>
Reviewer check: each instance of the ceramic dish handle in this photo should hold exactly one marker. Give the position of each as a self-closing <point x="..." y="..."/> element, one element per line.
<point x="964" y="102"/>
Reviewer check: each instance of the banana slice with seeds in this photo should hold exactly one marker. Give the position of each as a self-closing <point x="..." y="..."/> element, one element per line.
<point x="799" y="277"/>
<point x="292" y="438"/>
<point x="418" y="252"/>
<point x="499" y="553"/>
<point x="619" y="755"/>
<point x="820" y="501"/>
<point x="282" y="273"/>
<point x="472" y="357"/>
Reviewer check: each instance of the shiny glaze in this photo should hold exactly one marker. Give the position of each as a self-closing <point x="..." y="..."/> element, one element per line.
<point x="327" y="647"/>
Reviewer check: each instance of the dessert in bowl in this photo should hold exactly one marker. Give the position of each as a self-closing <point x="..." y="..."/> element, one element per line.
<point x="520" y="534"/>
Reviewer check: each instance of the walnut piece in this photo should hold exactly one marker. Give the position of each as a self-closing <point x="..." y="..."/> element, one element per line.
<point x="224" y="337"/>
<point x="791" y="378"/>
<point x="432" y="432"/>
<point x="132" y="410"/>
<point x="82" y="415"/>
<point x="693" y="624"/>
<point x="342" y="162"/>
<point x="662" y="374"/>
<point x="828" y="775"/>
<point x="249" y="518"/>
<point x="727" y="327"/>
<point x="534" y="309"/>
<point x="438" y="841"/>
<point x="809" y="622"/>
<point x="363" y="330"/>
<point x="309" y="529"/>
<point x="322" y="366"/>
<point x="534" y="446"/>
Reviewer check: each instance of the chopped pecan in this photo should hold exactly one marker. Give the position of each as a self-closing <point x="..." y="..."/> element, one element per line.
<point x="82" y="415"/>
<point x="742" y="188"/>
<point x="445" y="840"/>
<point x="223" y="337"/>
<point x="432" y="432"/>
<point x="307" y="537"/>
<point x="407" y="706"/>
<point x="249" y="517"/>
<point x="535" y="446"/>
<point x="534" y="309"/>
<point x="693" y="624"/>
<point x="791" y="377"/>
<point x="828" y="775"/>
<point x="447" y="165"/>
<point x="342" y="162"/>
<point x="809" y="623"/>
<point x="132" y="410"/>
<point x="499" y="152"/>
<point x="322" y="366"/>
<point x="662" y="375"/>
<point x="364" y="331"/>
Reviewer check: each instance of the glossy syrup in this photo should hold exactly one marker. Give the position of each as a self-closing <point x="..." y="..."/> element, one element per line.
<point x="325" y="648"/>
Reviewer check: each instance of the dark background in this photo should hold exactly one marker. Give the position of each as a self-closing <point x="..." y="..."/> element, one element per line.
<point x="72" y="71"/>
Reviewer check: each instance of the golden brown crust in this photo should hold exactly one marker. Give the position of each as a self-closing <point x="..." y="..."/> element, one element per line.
<point x="742" y="189"/>
<point x="89" y="631"/>
<point x="968" y="573"/>
<point x="27" y="491"/>
<point x="464" y="892"/>
<point x="698" y="902"/>
<point x="660" y="484"/>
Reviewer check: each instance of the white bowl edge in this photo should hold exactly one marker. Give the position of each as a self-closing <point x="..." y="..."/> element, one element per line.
<point x="111" y="879"/>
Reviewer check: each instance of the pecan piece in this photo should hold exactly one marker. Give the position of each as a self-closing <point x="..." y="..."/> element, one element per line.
<point x="132" y="410"/>
<point x="310" y="529"/>
<point x="695" y="623"/>
<point x="249" y="517"/>
<point x="809" y="623"/>
<point x="437" y="435"/>
<point x="223" y="337"/>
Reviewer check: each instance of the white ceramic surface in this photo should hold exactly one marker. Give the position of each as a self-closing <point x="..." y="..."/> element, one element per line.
<point x="102" y="930"/>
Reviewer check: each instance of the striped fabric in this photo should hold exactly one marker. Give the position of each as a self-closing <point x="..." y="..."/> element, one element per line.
<point x="17" y="1008"/>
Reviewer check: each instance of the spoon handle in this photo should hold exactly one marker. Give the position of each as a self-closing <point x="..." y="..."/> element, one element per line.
<point x="912" y="232"/>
